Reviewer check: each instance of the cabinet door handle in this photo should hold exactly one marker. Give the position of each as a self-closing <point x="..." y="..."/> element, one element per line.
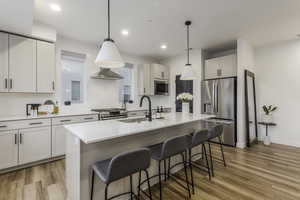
<point x="162" y="74"/>
<point x="65" y="120"/>
<point x="3" y="126"/>
<point x="36" y="123"/>
<point x="10" y="83"/>
<point x="144" y="90"/>
<point x="88" y="118"/>
<point x="21" y="138"/>
<point x="6" y="83"/>
<point x="53" y="85"/>
<point x="16" y="138"/>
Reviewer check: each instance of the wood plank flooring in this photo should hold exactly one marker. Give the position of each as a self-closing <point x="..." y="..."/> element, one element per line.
<point x="259" y="173"/>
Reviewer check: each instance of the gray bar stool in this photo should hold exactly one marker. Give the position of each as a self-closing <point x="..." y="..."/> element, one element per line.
<point x="197" y="138"/>
<point x="121" y="166"/>
<point x="167" y="150"/>
<point x="216" y="132"/>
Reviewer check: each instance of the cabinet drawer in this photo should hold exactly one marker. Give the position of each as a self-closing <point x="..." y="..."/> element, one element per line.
<point x="89" y="118"/>
<point x="66" y="120"/>
<point x="31" y="123"/>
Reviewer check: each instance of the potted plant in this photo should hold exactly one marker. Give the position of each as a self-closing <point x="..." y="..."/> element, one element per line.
<point x="268" y="110"/>
<point x="267" y="118"/>
<point x="185" y="98"/>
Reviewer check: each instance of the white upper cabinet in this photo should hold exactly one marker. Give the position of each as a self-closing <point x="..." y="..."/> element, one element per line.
<point x="144" y="80"/>
<point x="221" y="67"/>
<point x="160" y="71"/>
<point x="45" y="67"/>
<point x="22" y="64"/>
<point x="3" y="62"/>
<point x="228" y="64"/>
<point x="8" y="149"/>
<point x="211" y="68"/>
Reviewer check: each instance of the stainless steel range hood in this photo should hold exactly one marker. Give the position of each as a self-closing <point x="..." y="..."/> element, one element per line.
<point x="106" y="74"/>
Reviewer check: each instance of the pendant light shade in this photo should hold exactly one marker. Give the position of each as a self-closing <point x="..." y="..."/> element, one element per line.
<point x="109" y="56"/>
<point x="188" y="72"/>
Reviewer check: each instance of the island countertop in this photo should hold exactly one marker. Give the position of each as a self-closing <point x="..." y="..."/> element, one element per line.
<point x="99" y="131"/>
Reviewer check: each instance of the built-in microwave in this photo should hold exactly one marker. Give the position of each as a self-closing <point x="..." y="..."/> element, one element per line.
<point x="161" y="87"/>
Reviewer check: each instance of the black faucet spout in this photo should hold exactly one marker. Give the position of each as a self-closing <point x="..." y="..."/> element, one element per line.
<point x="149" y="116"/>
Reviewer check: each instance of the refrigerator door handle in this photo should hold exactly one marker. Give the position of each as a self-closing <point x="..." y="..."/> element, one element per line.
<point x="217" y="96"/>
<point x="213" y="97"/>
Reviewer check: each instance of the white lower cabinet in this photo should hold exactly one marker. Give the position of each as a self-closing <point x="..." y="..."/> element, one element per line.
<point x="34" y="144"/>
<point x="29" y="141"/>
<point x="58" y="141"/>
<point x="8" y="149"/>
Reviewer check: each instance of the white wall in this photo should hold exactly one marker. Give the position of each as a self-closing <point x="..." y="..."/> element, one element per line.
<point x="176" y="65"/>
<point x="99" y="93"/>
<point x="278" y="72"/>
<point x="245" y="60"/>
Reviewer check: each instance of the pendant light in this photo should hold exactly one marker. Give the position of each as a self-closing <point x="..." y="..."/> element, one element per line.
<point x="109" y="56"/>
<point x="188" y="72"/>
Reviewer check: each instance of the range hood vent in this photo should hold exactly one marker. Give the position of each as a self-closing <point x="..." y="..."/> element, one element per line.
<point x="107" y="74"/>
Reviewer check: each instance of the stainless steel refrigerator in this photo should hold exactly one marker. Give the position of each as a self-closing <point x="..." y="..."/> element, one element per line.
<point x="219" y="98"/>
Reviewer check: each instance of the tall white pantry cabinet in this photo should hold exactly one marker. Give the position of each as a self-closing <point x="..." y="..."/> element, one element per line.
<point x="26" y="65"/>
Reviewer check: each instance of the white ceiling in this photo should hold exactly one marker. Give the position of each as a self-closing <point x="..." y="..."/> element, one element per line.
<point x="16" y="15"/>
<point x="153" y="22"/>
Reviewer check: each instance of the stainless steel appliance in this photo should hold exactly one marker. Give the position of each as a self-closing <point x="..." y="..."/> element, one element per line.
<point x="161" y="87"/>
<point x="111" y="113"/>
<point x="219" y="99"/>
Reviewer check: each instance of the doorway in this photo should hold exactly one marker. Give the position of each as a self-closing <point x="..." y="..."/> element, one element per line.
<point x="181" y="87"/>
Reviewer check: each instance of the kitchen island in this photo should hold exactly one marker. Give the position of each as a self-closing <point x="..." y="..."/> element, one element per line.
<point x="95" y="141"/>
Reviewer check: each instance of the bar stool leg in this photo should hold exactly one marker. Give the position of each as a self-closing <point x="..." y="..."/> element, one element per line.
<point x="186" y="176"/>
<point x="169" y="165"/>
<point x="131" y="192"/>
<point x="221" y="145"/>
<point x="139" y="186"/>
<point x="191" y="169"/>
<point x="105" y="195"/>
<point x="207" y="164"/>
<point x="92" y="186"/>
<point x="165" y="170"/>
<point x="159" y="177"/>
<point x="148" y="181"/>
<point x="211" y="160"/>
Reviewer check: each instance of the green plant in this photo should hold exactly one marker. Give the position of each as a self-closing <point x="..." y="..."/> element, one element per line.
<point x="268" y="109"/>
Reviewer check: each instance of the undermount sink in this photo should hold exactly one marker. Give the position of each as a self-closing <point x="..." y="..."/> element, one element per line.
<point x="135" y="120"/>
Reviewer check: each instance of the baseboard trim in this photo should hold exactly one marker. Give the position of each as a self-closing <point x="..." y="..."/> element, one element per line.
<point x="241" y="145"/>
<point x="19" y="167"/>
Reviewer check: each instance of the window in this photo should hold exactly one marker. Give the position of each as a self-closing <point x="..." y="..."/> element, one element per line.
<point x="75" y="91"/>
<point x="126" y="84"/>
<point x="73" y="77"/>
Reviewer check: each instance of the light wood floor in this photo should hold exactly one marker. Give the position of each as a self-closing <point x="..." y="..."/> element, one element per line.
<point x="267" y="173"/>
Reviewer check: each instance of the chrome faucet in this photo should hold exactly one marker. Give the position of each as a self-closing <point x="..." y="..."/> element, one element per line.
<point x="149" y="116"/>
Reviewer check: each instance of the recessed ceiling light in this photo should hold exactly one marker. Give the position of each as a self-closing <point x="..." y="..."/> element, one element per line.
<point x="125" y="32"/>
<point x="163" y="46"/>
<point x="55" y="7"/>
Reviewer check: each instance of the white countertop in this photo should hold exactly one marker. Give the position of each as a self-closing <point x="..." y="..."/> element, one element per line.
<point x="98" y="131"/>
<point x="62" y="114"/>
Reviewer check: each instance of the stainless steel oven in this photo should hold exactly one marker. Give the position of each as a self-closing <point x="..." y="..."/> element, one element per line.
<point x="161" y="87"/>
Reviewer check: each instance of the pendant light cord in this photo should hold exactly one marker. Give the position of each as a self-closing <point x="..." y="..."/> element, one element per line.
<point x="188" y="44"/>
<point x="108" y="20"/>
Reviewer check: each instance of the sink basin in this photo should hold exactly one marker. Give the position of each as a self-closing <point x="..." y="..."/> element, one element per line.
<point x="135" y="120"/>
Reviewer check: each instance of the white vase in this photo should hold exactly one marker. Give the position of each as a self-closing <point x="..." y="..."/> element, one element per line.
<point x="185" y="108"/>
<point x="267" y="140"/>
<point x="267" y="118"/>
